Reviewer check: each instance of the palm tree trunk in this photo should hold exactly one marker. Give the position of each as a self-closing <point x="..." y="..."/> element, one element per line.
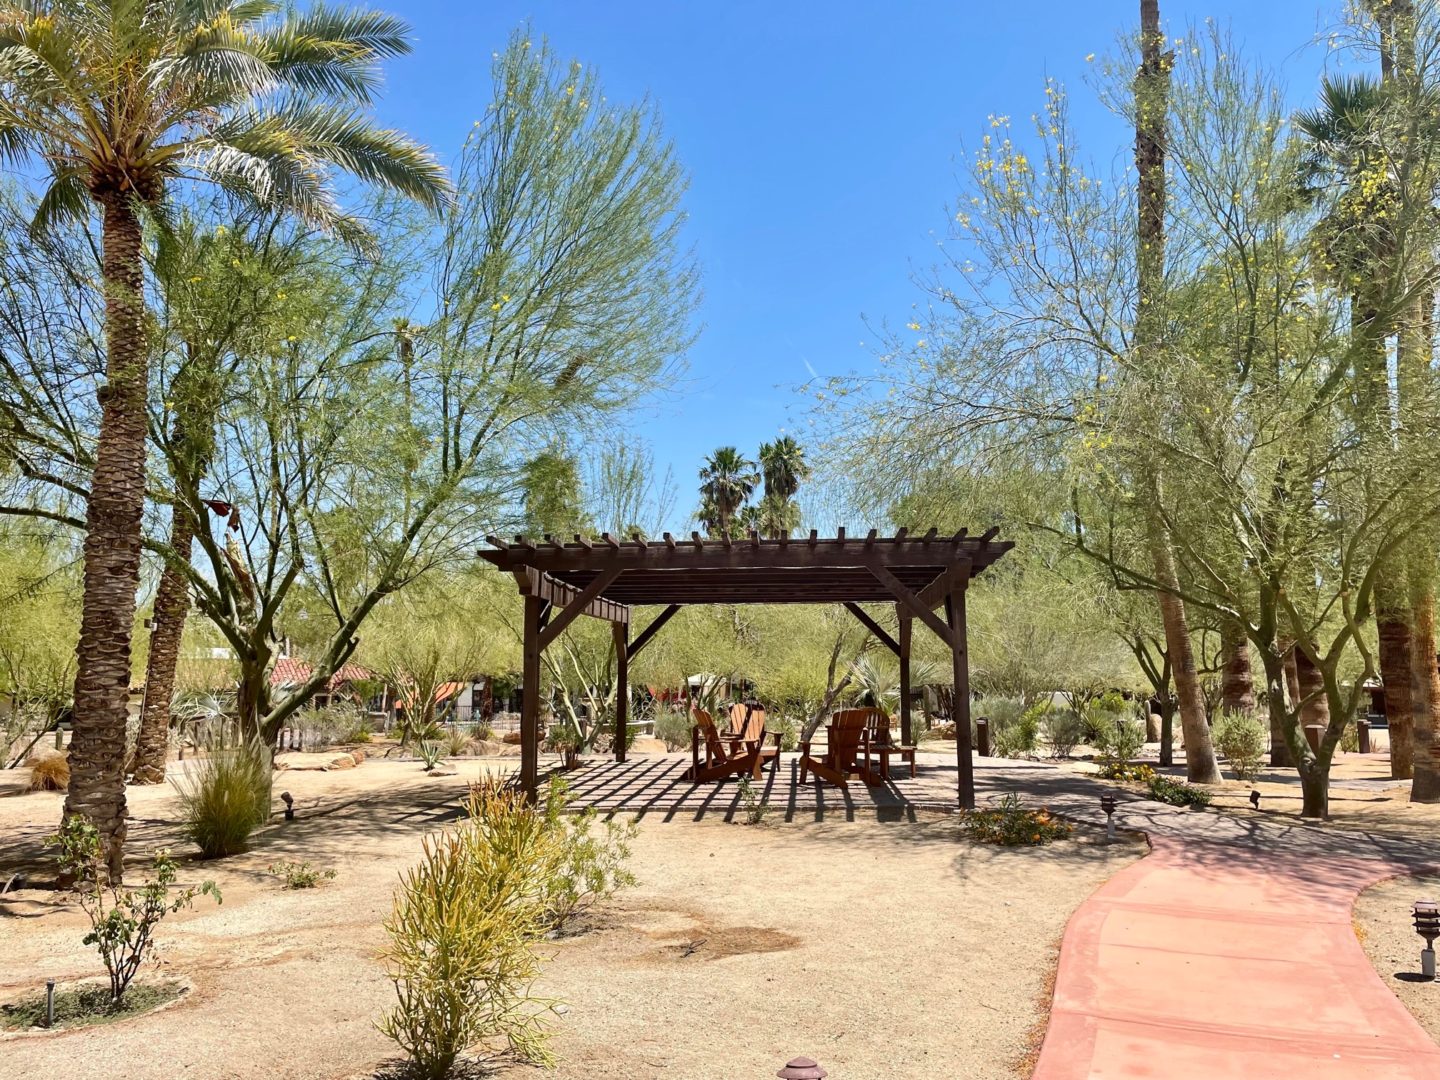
<point x="1392" y="627"/>
<point x="1237" y="684"/>
<point x="1152" y="93"/>
<point x="112" y="543"/>
<point x="172" y="607"/>
<point x="1424" y="690"/>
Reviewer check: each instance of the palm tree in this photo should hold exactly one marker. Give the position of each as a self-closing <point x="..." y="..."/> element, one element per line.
<point x="118" y="100"/>
<point x="776" y="517"/>
<point x="783" y="463"/>
<point x="784" y="467"/>
<point x="726" y="483"/>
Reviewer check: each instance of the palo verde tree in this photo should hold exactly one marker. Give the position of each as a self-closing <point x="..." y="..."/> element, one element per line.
<point x="366" y="450"/>
<point x="117" y="102"/>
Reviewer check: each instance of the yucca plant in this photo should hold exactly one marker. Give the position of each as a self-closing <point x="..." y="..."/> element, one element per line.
<point x="225" y="796"/>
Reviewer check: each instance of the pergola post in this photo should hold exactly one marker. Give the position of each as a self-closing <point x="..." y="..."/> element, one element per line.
<point x="621" y="633"/>
<point x="906" y="728"/>
<point x="960" y="709"/>
<point x="530" y="700"/>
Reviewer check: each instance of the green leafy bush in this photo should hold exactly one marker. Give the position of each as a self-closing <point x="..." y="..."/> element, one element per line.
<point x="592" y="867"/>
<point x="1116" y="743"/>
<point x="1064" y="732"/>
<point x="1012" y="824"/>
<point x="122" y="921"/>
<point x="1244" y="741"/>
<point x="225" y="796"/>
<point x="1019" y="737"/>
<point x="1177" y="793"/>
<point x="299" y="875"/>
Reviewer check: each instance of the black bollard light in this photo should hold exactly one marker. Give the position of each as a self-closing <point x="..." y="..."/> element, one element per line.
<point x="289" y="801"/>
<point x="1255" y="799"/>
<point x="1107" y="803"/>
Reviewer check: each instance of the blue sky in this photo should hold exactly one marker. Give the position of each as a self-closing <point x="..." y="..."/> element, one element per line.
<point x="822" y="142"/>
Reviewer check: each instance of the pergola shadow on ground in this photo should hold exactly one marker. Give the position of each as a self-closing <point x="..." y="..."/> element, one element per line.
<point x="607" y="579"/>
<point x="655" y="787"/>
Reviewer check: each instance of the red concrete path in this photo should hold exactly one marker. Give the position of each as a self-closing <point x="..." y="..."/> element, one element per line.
<point x="1212" y="961"/>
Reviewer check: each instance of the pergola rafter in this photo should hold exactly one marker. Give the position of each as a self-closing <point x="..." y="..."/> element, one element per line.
<point x="608" y="578"/>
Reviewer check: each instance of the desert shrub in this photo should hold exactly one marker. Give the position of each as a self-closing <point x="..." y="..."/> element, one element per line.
<point x="1349" y="739"/>
<point x="1116" y="743"/>
<point x="457" y="742"/>
<point x="1244" y="741"/>
<point x="430" y="754"/>
<point x="482" y="731"/>
<point x="789" y="729"/>
<point x="1012" y="824"/>
<point x="299" y="875"/>
<point x="673" y="729"/>
<point x="225" y="796"/>
<point x="999" y="710"/>
<point x="1063" y="731"/>
<point x="752" y="803"/>
<point x="466" y="919"/>
<point x="567" y="739"/>
<point x="1176" y="792"/>
<point x="591" y="862"/>
<point x="122" y="921"/>
<point x="462" y="939"/>
<point x="49" y="772"/>
<point x="1019" y="737"/>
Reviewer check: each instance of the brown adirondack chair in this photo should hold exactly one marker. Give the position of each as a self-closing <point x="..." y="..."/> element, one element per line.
<point x="745" y="753"/>
<point x="847" y="750"/>
<point x="883" y="746"/>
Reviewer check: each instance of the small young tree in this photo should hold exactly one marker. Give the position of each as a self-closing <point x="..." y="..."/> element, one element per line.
<point x="122" y="921"/>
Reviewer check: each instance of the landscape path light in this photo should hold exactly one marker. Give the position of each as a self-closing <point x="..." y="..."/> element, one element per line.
<point x="1427" y="925"/>
<point x="801" y="1068"/>
<point x="1107" y="803"/>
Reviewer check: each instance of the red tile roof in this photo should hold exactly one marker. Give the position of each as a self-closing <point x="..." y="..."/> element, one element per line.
<point x="292" y="671"/>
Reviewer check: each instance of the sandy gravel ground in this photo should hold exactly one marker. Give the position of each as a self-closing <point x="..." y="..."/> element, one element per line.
<point x="1383" y="924"/>
<point x="895" y="950"/>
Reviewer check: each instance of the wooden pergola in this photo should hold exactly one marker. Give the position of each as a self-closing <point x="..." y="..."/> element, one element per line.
<point x="607" y="578"/>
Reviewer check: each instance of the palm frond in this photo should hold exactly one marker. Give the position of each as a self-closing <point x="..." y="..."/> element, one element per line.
<point x="335" y="52"/>
<point x="347" y="140"/>
<point x="64" y="202"/>
<point x="16" y="142"/>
